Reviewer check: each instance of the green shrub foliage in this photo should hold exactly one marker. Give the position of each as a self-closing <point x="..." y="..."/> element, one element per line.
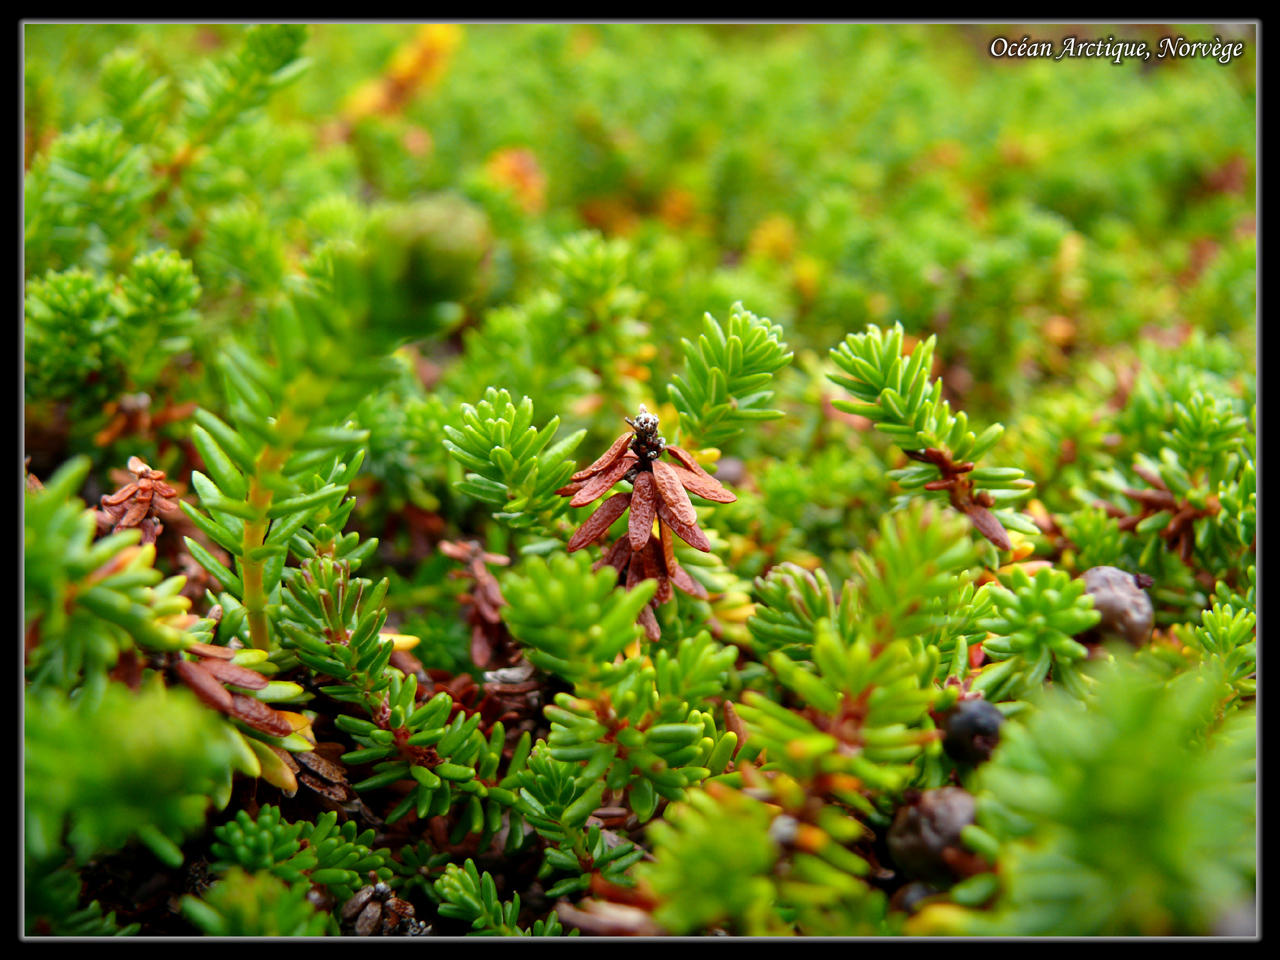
<point x="546" y="479"/>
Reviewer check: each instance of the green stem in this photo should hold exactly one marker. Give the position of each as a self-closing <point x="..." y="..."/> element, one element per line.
<point x="255" y="534"/>
<point x="270" y="461"/>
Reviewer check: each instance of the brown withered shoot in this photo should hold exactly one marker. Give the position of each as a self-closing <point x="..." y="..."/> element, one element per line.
<point x="208" y="676"/>
<point x="660" y="491"/>
<point x="490" y="641"/>
<point x="1179" y="534"/>
<point x="138" y="504"/>
<point x="975" y="504"/>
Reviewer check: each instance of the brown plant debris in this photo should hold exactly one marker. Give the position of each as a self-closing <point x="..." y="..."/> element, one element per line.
<point x="491" y="643"/>
<point x="138" y="504"/>
<point x="973" y="503"/>
<point x="660" y="491"/>
<point x="1179" y="533"/>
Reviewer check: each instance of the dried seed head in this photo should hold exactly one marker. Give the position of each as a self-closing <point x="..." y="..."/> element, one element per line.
<point x="645" y="422"/>
<point x="1125" y="607"/>
<point x="648" y="444"/>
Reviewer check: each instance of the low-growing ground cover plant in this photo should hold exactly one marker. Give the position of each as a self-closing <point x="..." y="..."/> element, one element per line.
<point x="478" y="485"/>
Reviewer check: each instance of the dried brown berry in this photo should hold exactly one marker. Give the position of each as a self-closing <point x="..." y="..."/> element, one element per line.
<point x="1126" y="609"/>
<point x="925" y="837"/>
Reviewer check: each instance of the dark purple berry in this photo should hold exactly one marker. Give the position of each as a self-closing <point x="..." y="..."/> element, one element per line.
<point x="971" y="730"/>
<point x="925" y="837"/>
<point x="1125" y="607"/>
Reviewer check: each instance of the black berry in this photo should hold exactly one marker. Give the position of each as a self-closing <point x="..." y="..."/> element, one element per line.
<point x="971" y="730"/>
<point x="1125" y="607"/>
<point x="925" y="837"/>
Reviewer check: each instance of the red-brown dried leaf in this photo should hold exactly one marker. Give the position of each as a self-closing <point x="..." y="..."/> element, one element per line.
<point x="393" y="912"/>
<point x="650" y="623"/>
<point x="1152" y="478"/>
<point x="644" y="507"/>
<point x="605" y="461"/>
<point x="656" y="569"/>
<point x="481" y="648"/>
<point x="1184" y="516"/>
<point x="337" y="792"/>
<point x="987" y="525"/>
<point x="1185" y="545"/>
<point x="326" y="768"/>
<point x="1111" y="509"/>
<point x="487" y="598"/>
<point x="260" y="716"/>
<point x="635" y="569"/>
<point x="618" y="557"/>
<point x="681" y="578"/>
<point x="690" y="534"/>
<point x="601" y="482"/>
<point x="668" y="543"/>
<point x="512" y="688"/>
<point x="455" y="551"/>
<point x="134" y="516"/>
<point x="205" y="685"/>
<point x="708" y="488"/>
<point x="237" y="676"/>
<point x="209" y="650"/>
<point x="733" y="723"/>
<point x="673" y="493"/>
<point x="128" y="670"/>
<point x="600" y="521"/>
<point x="688" y="461"/>
<point x="286" y="758"/>
<point x="120" y="496"/>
